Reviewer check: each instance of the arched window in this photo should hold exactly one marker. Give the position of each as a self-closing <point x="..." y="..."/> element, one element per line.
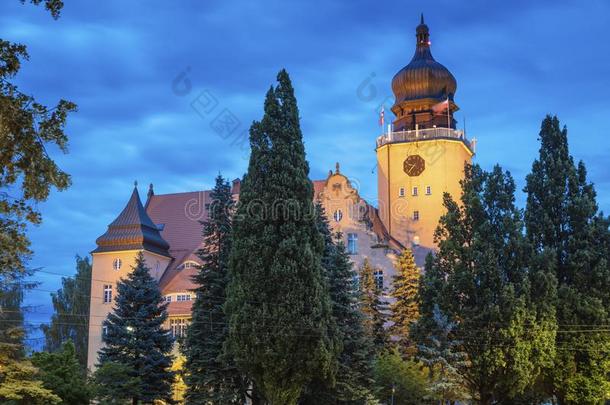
<point x="338" y="215"/>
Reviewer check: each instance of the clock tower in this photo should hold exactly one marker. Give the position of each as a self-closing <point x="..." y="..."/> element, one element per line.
<point x="424" y="155"/>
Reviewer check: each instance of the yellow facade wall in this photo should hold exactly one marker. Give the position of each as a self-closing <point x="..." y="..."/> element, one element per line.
<point x="444" y="168"/>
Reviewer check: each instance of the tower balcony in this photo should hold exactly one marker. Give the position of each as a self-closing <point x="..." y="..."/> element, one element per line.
<point x="426" y="134"/>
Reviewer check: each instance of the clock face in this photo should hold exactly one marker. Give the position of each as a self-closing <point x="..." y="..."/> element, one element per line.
<point x="414" y="165"/>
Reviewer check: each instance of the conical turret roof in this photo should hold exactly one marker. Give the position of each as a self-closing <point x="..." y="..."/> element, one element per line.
<point x="132" y="229"/>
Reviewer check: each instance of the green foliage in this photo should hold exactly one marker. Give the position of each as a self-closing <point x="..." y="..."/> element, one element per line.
<point x="135" y="336"/>
<point x="28" y="173"/>
<point x="373" y="306"/>
<point x="480" y="281"/>
<point x="211" y="375"/>
<point x="405" y="308"/>
<point x="19" y="382"/>
<point x="116" y="384"/>
<point x="53" y="6"/>
<point x="405" y="379"/>
<point x="71" y="305"/>
<point x="442" y="356"/>
<point x="572" y="240"/>
<point x="61" y="373"/>
<point x="278" y="304"/>
<point x="354" y="376"/>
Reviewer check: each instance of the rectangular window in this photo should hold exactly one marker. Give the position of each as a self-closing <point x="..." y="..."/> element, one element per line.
<point x="415" y="191"/>
<point x="178" y="327"/>
<point x="352" y="243"/>
<point x="107" y="293"/>
<point x="168" y="298"/>
<point x="415" y="215"/>
<point x="401" y="192"/>
<point x="379" y="279"/>
<point x="104" y="330"/>
<point x="183" y="297"/>
<point x="428" y="190"/>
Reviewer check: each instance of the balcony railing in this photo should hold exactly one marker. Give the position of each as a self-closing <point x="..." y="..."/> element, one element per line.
<point x="424" y="135"/>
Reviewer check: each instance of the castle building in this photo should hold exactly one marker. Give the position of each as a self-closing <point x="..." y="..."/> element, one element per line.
<point x="420" y="159"/>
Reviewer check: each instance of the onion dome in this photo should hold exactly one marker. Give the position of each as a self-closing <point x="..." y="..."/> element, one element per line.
<point x="132" y="230"/>
<point x="423" y="77"/>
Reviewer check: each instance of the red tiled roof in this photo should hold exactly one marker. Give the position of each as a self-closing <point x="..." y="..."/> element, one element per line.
<point x="180" y="215"/>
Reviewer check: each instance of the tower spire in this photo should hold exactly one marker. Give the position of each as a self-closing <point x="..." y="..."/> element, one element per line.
<point x="421" y="21"/>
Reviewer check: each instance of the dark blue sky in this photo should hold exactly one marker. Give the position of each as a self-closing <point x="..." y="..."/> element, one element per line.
<point x="119" y="61"/>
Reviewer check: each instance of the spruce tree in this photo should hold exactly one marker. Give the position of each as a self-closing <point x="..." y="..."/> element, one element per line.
<point x="354" y="377"/>
<point x="211" y="376"/>
<point x="135" y="337"/>
<point x="482" y="284"/>
<point x="70" y="320"/>
<point x="277" y="302"/>
<point x="570" y="237"/>
<point x="405" y="308"/>
<point x="373" y="306"/>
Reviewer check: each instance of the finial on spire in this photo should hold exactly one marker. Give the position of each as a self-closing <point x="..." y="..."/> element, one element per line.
<point x="135" y="183"/>
<point x="151" y="192"/>
<point x="337" y="168"/>
<point x="422" y="19"/>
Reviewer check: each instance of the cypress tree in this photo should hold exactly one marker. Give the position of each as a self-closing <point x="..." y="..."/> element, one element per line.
<point x="135" y="337"/>
<point x="211" y="377"/>
<point x="484" y="287"/>
<point x="354" y="375"/>
<point x="277" y="301"/>
<point x="570" y="237"/>
<point x="405" y="308"/>
<point x="373" y="306"/>
<point x="71" y="309"/>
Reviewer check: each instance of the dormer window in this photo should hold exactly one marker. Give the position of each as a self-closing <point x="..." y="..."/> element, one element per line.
<point x="187" y="265"/>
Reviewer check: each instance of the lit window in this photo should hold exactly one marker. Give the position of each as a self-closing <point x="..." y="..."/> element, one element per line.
<point x="116" y="264"/>
<point x="352" y="243"/>
<point x="338" y="215"/>
<point x="428" y="190"/>
<point x="107" y="293"/>
<point x="378" y="279"/>
<point x="401" y="192"/>
<point x="178" y="327"/>
<point x="415" y="215"/>
<point x="414" y="192"/>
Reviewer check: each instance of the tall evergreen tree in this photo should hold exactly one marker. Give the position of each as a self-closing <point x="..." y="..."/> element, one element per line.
<point x="405" y="308"/>
<point x="211" y="377"/>
<point x="70" y="320"/>
<point x="563" y="223"/>
<point x="482" y="283"/>
<point x="354" y="377"/>
<point x="278" y="304"/>
<point x="373" y="306"/>
<point x="135" y="337"/>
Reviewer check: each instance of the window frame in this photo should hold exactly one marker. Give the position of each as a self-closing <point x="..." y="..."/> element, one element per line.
<point x="416" y="215"/>
<point x="352" y="241"/>
<point x="401" y="192"/>
<point x="428" y="190"/>
<point x="107" y="295"/>
<point x="415" y="191"/>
